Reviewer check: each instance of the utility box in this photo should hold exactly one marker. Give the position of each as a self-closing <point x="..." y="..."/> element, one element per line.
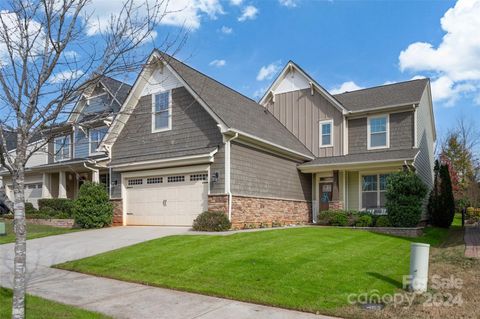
<point x="2" y="229"/>
<point x="419" y="267"/>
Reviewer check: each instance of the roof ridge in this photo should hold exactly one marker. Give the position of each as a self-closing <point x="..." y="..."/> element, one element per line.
<point x="207" y="76"/>
<point x="382" y="85"/>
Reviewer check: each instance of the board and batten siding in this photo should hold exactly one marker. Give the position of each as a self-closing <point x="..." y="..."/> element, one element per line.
<point x="300" y="112"/>
<point x="424" y="161"/>
<point x="262" y="174"/>
<point x="401" y="132"/>
<point x="353" y="189"/>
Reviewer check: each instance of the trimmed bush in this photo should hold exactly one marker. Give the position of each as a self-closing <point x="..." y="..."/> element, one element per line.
<point x="60" y="205"/>
<point x="405" y="195"/>
<point x="339" y="219"/>
<point x="211" y="221"/>
<point x="473" y="214"/>
<point x="92" y="208"/>
<point x="382" y="221"/>
<point x="29" y="209"/>
<point x="364" y="221"/>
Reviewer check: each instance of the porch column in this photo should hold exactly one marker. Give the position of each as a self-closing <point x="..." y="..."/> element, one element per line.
<point x="62" y="185"/>
<point x="46" y="184"/>
<point x="335" y="188"/>
<point x="96" y="176"/>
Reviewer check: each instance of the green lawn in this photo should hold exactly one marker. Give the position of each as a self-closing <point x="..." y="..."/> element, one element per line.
<point x="309" y="269"/>
<point x="38" y="308"/>
<point x="33" y="231"/>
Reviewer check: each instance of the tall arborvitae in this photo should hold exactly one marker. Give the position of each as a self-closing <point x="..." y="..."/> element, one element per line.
<point x="441" y="204"/>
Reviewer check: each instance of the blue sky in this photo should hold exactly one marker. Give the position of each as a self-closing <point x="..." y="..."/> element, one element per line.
<point x="334" y="41"/>
<point x="344" y="45"/>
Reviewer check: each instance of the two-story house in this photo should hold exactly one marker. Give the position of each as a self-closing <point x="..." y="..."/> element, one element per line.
<point x="72" y="157"/>
<point x="184" y="143"/>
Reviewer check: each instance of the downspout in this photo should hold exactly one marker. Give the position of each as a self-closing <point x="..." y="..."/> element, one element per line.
<point x="227" y="175"/>
<point x="94" y="171"/>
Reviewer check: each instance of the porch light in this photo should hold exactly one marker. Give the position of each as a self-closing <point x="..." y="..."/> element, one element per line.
<point x="215" y="177"/>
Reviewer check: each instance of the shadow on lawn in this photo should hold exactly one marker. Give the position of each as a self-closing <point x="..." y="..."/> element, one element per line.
<point x="389" y="280"/>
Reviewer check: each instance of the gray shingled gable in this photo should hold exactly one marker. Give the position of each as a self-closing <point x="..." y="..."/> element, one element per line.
<point x="402" y="93"/>
<point x="236" y="110"/>
<point x="118" y="88"/>
<point x="372" y="156"/>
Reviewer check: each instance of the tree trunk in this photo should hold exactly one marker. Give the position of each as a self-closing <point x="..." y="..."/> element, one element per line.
<point x="20" y="229"/>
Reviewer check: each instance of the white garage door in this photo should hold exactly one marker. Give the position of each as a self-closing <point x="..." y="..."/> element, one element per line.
<point x="166" y="200"/>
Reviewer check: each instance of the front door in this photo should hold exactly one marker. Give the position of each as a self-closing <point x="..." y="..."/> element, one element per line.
<point x="325" y="195"/>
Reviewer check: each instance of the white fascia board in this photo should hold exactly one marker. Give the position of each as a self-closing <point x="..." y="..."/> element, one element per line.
<point x="353" y="165"/>
<point x="167" y="162"/>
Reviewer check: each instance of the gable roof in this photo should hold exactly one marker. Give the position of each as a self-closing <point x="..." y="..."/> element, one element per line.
<point x="237" y="111"/>
<point x="396" y="94"/>
<point x="118" y="90"/>
<point x="232" y="111"/>
<point x="292" y="65"/>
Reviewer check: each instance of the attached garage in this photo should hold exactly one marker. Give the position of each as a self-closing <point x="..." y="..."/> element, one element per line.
<point x="165" y="199"/>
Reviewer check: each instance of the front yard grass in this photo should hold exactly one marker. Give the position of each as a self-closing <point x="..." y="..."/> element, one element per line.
<point x="39" y="308"/>
<point x="309" y="269"/>
<point x="33" y="231"/>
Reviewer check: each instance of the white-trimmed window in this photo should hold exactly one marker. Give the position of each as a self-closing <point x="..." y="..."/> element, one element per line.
<point x="373" y="191"/>
<point x="161" y="111"/>
<point x="96" y="137"/>
<point x="62" y="148"/>
<point x="326" y="133"/>
<point x="378" y="132"/>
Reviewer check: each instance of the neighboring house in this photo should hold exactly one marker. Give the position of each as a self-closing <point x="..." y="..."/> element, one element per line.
<point x="184" y="143"/>
<point x="63" y="164"/>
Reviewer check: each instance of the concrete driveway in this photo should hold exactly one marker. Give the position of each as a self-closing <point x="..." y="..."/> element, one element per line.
<point x="116" y="298"/>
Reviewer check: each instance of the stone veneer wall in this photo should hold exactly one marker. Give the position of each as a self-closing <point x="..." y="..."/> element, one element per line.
<point x="251" y="212"/>
<point x="335" y="205"/>
<point x="62" y="223"/>
<point x="117" y="212"/>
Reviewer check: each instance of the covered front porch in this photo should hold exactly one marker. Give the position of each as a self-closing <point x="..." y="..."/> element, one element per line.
<point x="344" y="183"/>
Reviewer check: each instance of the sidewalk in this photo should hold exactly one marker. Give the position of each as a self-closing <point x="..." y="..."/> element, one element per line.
<point x="472" y="241"/>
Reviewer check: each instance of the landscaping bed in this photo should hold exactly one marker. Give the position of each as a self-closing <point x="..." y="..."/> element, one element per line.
<point x="310" y="269"/>
<point x="39" y="308"/>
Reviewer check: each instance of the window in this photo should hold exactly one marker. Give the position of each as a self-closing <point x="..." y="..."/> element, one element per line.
<point x="378" y="135"/>
<point x="61" y="148"/>
<point x="198" y="177"/>
<point x="326" y="133"/>
<point x="154" y="180"/>
<point x="135" y="181"/>
<point x="162" y="112"/>
<point x="373" y="191"/>
<point x="176" y="179"/>
<point x="96" y="137"/>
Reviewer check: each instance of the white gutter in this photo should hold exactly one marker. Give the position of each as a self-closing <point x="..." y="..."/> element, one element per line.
<point x="227" y="174"/>
<point x="95" y="173"/>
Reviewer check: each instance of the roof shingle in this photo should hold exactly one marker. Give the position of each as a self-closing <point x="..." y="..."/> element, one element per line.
<point x="402" y="93"/>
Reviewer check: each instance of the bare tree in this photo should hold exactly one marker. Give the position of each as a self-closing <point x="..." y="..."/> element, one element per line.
<point x="46" y="63"/>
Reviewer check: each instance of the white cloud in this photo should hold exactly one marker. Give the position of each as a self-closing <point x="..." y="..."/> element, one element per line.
<point x="218" y="63"/>
<point x="226" y="30"/>
<point x="288" y="3"/>
<point x="345" y="87"/>
<point x="236" y="2"/>
<point x="260" y="92"/>
<point x="65" y="76"/>
<point x="248" y="13"/>
<point x="188" y="13"/>
<point x="455" y="63"/>
<point x="267" y="72"/>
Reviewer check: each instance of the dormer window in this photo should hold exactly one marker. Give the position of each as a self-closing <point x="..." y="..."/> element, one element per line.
<point x="61" y="148"/>
<point x="96" y="137"/>
<point x="161" y="112"/>
<point x="326" y="133"/>
<point x="378" y="132"/>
